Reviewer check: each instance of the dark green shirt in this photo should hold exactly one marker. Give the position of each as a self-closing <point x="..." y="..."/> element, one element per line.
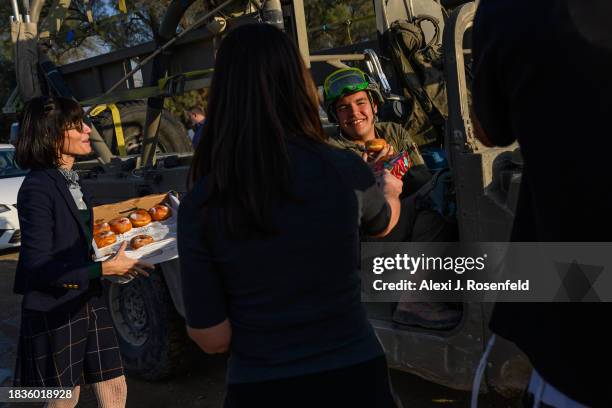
<point x="393" y="133"/>
<point x="400" y="139"/>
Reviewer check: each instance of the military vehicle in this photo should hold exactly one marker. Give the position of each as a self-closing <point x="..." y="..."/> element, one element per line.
<point x="141" y="149"/>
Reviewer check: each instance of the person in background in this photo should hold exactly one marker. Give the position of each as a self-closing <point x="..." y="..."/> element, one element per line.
<point x="197" y="119"/>
<point x="351" y="99"/>
<point x="66" y="336"/>
<point x="542" y="78"/>
<point x="268" y="237"/>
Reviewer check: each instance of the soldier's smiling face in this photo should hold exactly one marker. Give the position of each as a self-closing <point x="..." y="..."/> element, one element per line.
<point x="356" y="116"/>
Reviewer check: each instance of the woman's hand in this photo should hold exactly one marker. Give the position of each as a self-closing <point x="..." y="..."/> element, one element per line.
<point x="122" y="265"/>
<point x="390" y="185"/>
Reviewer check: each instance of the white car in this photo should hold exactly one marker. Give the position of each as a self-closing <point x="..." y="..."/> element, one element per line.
<point x="11" y="178"/>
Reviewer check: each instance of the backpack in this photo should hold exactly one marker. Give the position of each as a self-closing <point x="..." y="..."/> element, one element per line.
<point x="419" y="67"/>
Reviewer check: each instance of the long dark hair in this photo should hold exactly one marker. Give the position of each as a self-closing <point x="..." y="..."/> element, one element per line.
<point x="261" y="96"/>
<point x="44" y="121"/>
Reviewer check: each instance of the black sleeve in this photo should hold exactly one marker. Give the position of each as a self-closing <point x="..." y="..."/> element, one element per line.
<point x="374" y="212"/>
<point x="36" y="255"/>
<point x="202" y="288"/>
<point x="414" y="179"/>
<point x="373" y="221"/>
<point x="490" y="100"/>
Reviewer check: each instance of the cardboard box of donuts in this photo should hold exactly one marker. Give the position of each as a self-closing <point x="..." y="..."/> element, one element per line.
<point x="147" y="223"/>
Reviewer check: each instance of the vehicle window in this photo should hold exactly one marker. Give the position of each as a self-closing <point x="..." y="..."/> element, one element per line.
<point x="333" y="23"/>
<point x="8" y="167"/>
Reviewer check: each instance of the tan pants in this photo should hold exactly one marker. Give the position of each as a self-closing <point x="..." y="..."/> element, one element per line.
<point x="109" y="393"/>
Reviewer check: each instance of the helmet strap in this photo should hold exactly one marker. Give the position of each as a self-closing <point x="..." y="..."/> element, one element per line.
<point x="372" y="104"/>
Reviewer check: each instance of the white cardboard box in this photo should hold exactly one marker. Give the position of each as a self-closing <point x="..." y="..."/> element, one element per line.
<point x="164" y="247"/>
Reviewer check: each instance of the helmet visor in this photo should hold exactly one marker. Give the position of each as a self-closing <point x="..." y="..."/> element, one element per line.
<point x="344" y="82"/>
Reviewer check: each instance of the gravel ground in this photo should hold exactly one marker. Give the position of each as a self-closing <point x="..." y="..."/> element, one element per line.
<point x="203" y="385"/>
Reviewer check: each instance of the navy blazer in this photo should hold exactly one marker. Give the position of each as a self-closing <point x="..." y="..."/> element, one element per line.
<point x="55" y="254"/>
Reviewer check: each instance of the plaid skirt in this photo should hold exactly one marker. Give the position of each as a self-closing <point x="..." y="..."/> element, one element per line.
<point x="65" y="349"/>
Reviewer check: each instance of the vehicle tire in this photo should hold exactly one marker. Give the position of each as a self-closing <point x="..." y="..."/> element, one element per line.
<point x="151" y="334"/>
<point x="172" y="134"/>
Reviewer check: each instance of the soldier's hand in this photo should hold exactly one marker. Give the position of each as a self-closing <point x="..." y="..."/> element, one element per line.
<point x="380" y="156"/>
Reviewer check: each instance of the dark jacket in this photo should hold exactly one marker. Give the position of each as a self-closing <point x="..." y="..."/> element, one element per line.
<point x="540" y="79"/>
<point x="197" y="133"/>
<point x="55" y="254"/>
<point x="293" y="297"/>
<point x="394" y="134"/>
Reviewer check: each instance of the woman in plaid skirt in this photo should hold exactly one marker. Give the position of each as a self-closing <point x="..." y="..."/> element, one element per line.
<point x="66" y="337"/>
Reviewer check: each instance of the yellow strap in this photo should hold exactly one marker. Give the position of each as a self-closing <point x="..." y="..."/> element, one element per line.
<point x="88" y="11"/>
<point x="97" y="110"/>
<point x="118" y="129"/>
<point x="122" y="6"/>
<point x="116" y="122"/>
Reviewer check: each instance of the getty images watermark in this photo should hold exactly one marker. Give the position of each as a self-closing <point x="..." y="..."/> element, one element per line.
<point x="508" y="272"/>
<point x="430" y="264"/>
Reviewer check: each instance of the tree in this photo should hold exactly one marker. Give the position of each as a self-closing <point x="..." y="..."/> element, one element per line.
<point x="179" y="104"/>
<point x="7" y="70"/>
<point x="110" y="30"/>
<point x="334" y="23"/>
<point x="331" y="23"/>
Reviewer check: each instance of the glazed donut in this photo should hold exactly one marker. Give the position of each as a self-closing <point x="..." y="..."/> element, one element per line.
<point x="120" y="225"/>
<point x="105" y="239"/>
<point x="140" y="241"/>
<point x="139" y="218"/>
<point x="160" y="212"/>
<point x="375" y="145"/>
<point x="101" y="227"/>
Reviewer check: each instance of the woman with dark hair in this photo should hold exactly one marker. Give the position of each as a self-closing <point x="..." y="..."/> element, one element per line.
<point x="66" y="337"/>
<point x="269" y="237"/>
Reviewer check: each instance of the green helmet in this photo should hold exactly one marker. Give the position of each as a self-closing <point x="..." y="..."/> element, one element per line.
<point x="347" y="81"/>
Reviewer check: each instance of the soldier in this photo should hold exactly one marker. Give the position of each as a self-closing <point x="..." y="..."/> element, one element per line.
<point x="352" y="99"/>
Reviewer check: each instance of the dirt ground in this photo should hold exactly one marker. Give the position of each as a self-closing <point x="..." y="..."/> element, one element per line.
<point x="203" y="386"/>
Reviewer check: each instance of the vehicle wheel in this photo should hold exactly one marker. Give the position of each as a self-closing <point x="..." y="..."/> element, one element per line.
<point x="172" y="134"/>
<point x="151" y="334"/>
